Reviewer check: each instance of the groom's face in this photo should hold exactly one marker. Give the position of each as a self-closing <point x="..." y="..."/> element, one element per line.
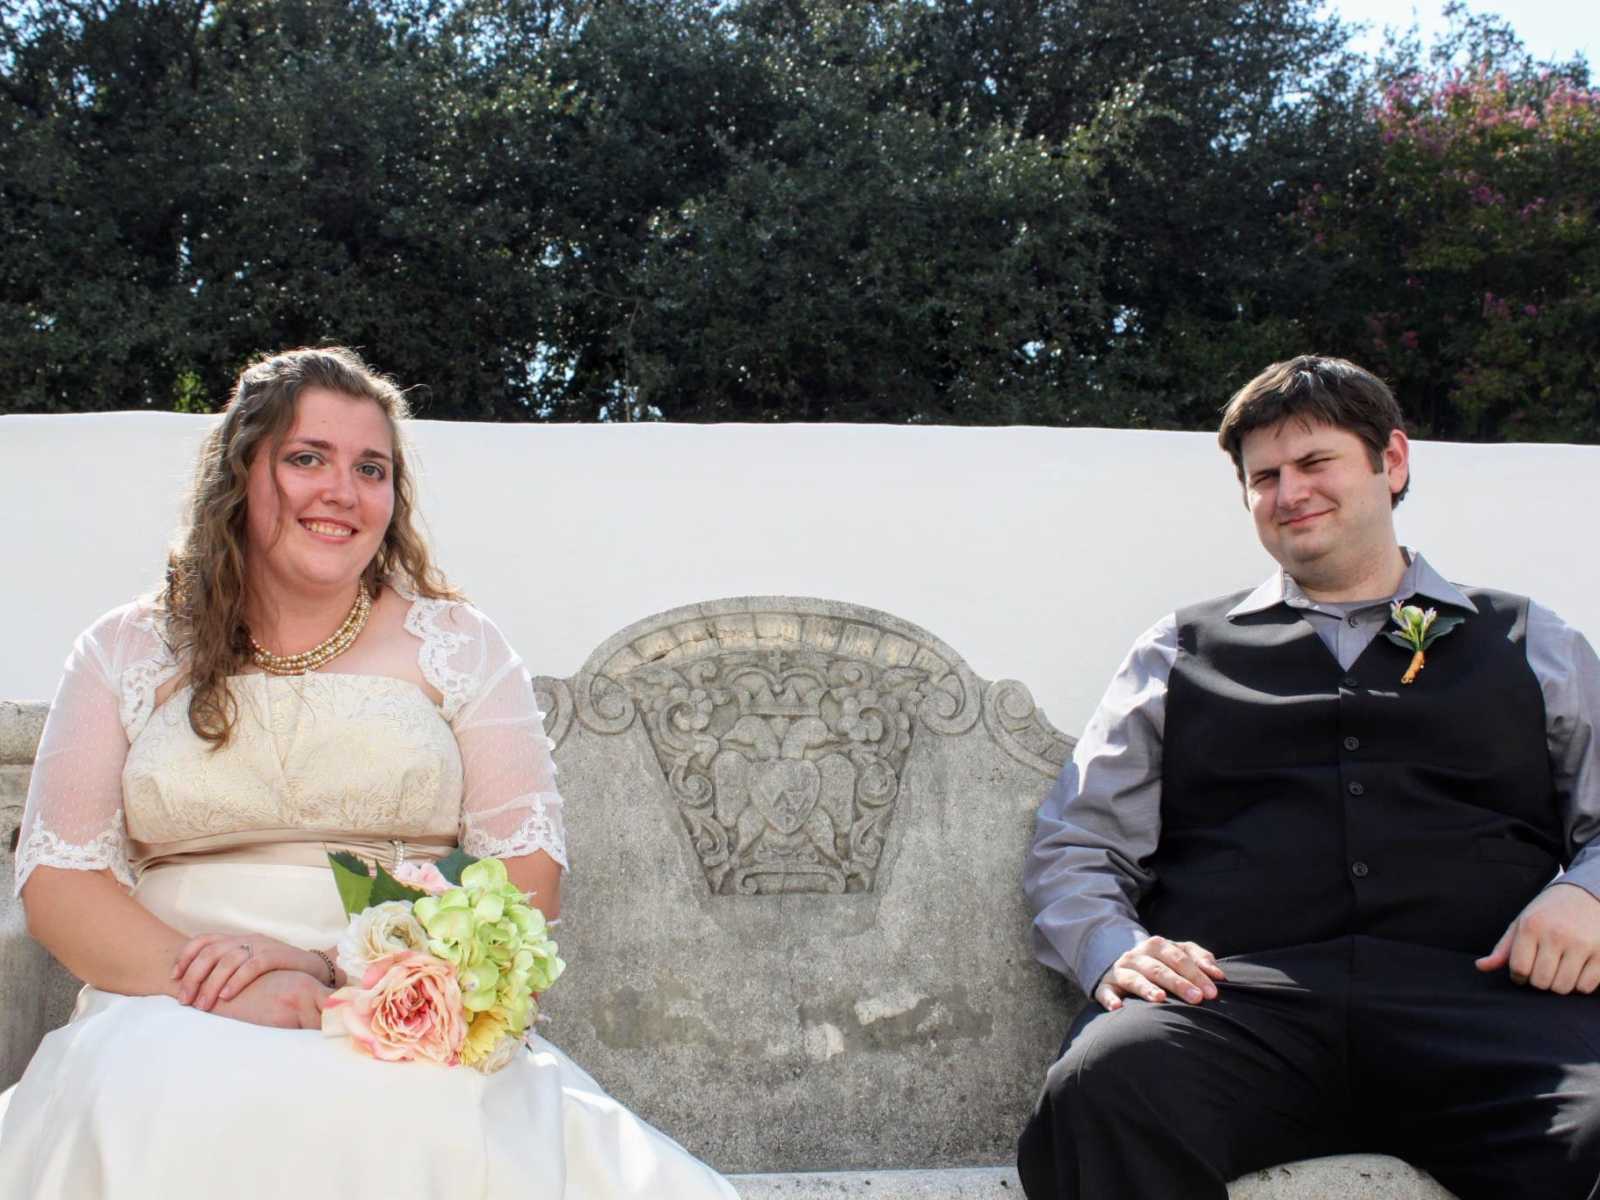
<point x="1320" y="506"/>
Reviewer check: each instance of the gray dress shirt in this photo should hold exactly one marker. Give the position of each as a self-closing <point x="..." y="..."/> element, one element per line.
<point x="1101" y="821"/>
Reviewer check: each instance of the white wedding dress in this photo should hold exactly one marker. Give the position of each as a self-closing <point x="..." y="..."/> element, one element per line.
<point x="143" y="1098"/>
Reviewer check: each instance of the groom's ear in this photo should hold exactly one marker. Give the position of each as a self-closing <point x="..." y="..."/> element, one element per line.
<point x="1396" y="464"/>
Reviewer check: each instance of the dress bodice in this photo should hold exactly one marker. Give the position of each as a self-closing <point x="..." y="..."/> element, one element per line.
<point x="120" y="781"/>
<point x="321" y="753"/>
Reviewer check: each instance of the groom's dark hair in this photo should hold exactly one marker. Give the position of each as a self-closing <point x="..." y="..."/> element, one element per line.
<point x="1324" y="391"/>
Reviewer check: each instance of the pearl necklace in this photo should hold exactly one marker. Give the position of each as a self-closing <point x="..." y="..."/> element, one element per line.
<point x="310" y="660"/>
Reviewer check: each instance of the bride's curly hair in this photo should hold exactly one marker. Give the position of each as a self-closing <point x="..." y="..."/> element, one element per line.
<point x="204" y="595"/>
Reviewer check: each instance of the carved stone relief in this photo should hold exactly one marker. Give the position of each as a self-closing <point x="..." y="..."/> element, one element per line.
<point x="782" y="727"/>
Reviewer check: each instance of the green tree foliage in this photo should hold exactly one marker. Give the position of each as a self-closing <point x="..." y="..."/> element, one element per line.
<point x="1466" y="255"/>
<point x="859" y="259"/>
<point x="188" y="183"/>
<point x="1247" y="100"/>
<point x="1054" y="211"/>
<point x="649" y="106"/>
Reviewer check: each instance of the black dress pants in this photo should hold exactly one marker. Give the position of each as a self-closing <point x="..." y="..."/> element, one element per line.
<point x="1352" y="1045"/>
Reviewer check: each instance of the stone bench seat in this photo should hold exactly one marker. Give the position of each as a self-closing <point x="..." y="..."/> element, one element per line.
<point x="798" y="938"/>
<point x="1342" y="1177"/>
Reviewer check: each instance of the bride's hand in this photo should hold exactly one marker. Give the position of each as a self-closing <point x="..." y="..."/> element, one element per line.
<point x="281" y="999"/>
<point x="219" y="966"/>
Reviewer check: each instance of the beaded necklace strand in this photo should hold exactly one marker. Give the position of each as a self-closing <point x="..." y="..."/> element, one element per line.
<point x="310" y="660"/>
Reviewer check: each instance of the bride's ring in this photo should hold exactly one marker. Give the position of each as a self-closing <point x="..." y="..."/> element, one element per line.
<point x="245" y="946"/>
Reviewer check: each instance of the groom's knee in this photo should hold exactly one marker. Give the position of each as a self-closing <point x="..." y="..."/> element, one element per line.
<point x="1118" y="1059"/>
<point x="1106" y="1081"/>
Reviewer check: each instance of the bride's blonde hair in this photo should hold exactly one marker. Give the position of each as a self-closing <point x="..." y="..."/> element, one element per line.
<point x="203" y="599"/>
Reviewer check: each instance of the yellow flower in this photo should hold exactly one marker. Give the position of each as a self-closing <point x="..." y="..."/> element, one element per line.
<point x="487" y="1038"/>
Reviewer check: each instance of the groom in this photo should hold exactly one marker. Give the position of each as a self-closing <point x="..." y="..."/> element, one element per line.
<point x="1311" y="891"/>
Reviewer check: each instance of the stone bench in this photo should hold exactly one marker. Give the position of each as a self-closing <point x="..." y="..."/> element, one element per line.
<point x="796" y="929"/>
<point x="1367" y="1176"/>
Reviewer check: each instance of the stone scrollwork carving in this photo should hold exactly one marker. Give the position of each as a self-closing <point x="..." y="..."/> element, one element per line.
<point x="786" y="765"/>
<point x="554" y="699"/>
<point x="783" y="726"/>
<point x="601" y="704"/>
<point x="1019" y="726"/>
<point x="952" y="702"/>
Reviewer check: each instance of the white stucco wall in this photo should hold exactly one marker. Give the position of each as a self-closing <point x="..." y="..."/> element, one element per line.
<point x="1038" y="554"/>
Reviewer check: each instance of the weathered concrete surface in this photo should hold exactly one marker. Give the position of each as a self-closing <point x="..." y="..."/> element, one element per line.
<point x="20" y="727"/>
<point x="832" y="969"/>
<point x="35" y="992"/>
<point x="1346" y="1177"/>
<point x="1341" y="1177"/>
<point x="21" y="723"/>
<point x="952" y="1183"/>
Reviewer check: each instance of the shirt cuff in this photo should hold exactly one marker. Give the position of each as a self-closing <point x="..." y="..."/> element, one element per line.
<point x="1584" y="872"/>
<point x="1102" y="948"/>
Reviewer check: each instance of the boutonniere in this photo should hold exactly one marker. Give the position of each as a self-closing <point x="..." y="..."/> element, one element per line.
<point x="1418" y="630"/>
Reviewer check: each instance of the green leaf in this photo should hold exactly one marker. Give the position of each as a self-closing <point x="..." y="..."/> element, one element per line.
<point x="1400" y="639"/>
<point x="386" y="887"/>
<point x="452" y="864"/>
<point x="354" y="883"/>
<point x="1441" y="626"/>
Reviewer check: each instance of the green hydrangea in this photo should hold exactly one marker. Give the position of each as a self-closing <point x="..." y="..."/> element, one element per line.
<point x="499" y="944"/>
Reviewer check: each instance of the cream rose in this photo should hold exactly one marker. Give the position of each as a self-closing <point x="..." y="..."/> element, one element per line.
<point x="380" y="931"/>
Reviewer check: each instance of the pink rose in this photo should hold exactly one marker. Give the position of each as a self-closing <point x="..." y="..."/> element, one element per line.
<point x="422" y="875"/>
<point x="407" y="1007"/>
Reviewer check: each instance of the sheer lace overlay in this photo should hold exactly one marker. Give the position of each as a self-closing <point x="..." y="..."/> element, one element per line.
<point x="429" y="622"/>
<point x="109" y="851"/>
<point x="105" y="741"/>
<point x="509" y="803"/>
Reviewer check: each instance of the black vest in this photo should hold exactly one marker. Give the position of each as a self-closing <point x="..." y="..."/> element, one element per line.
<point x="1302" y="802"/>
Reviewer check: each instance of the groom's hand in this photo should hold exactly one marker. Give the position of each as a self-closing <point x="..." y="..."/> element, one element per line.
<point x="1156" y="967"/>
<point x="1554" y="944"/>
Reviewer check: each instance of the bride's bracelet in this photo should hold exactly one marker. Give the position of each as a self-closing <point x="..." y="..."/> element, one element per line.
<point x="333" y="977"/>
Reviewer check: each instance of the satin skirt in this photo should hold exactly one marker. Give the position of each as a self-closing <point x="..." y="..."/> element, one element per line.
<point x="142" y="1098"/>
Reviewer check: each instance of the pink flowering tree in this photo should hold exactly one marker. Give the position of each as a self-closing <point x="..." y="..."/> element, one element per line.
<point x="1463" y="263"/>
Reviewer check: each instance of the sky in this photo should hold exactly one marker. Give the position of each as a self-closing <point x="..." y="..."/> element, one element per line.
<point x="1551" y="29"/>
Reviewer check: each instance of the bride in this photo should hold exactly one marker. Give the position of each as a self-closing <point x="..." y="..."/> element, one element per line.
<point x="305" y="681"/>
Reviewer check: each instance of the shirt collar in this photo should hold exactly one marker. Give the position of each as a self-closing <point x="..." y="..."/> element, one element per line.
<point x="1419" y="580"/>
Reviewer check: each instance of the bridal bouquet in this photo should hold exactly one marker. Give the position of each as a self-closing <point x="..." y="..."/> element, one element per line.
<point x="451" y="958"/>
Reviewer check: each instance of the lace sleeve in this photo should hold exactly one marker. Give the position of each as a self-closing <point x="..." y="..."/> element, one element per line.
<point x="510" y="806"/>
<point x="73" y="814"/>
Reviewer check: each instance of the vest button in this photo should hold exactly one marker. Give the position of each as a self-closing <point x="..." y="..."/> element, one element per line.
<point x="1359" y="869"/>
<point x="1357" y="790"/>
<point x="1352" y="743"/>
<point x="1349" y="681"/>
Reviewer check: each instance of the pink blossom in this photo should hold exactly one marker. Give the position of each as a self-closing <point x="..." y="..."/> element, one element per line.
<point x="422" y="875"/>
<point x="1408" y="339"/>
<point x="1530" y="310"/>
<point x="408" y="1007"/>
